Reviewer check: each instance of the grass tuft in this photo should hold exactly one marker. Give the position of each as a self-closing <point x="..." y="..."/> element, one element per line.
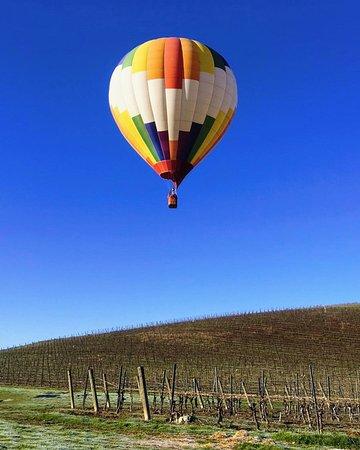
<point x="338" y="440"/>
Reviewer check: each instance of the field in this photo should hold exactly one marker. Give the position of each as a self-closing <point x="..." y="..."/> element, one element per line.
<point x="282" y="343"/>
<point x="34" y="418"/>
<point x="279" y="379"/>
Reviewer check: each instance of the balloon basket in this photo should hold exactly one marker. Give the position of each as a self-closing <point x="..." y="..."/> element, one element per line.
<point x="172" y="199"/>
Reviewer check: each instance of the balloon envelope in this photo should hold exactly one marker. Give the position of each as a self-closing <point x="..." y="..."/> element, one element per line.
<point x="172" y="99"/>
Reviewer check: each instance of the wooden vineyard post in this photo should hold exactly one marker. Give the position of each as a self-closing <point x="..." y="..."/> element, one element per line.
<point x="168" y="387"/>
<point x="143" y="393"/>
<point x="313" y="391"/>
<point x="71" y="390"/>
<point x="93" y="390"/>
<point x="172" y="396"/>
<point x="121" y="390"/>
<point x="268" y="397"/>
<point x="215" y="384"/>
<point x="223" y="399"/>
<point x="329" y="388"/>
<point x="304" y="389"/>
<point x="198" y="394"/>
<point x="85" y="388"/>
<point x="262" y="402"/>
<point x="118" y="402"/>
<point x="324" y="395"/>
<point x="106" y="391"/>
<point x="162" y="391"/>
<point x="251" y="405"/>
<point x="262" y="384"/>
<point x="131" y="398"/>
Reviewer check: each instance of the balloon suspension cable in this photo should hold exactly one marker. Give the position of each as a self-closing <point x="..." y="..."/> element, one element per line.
<point x="172" y="187"/>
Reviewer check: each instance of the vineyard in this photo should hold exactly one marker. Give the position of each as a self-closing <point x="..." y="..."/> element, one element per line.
<point x="258" y="372"/>
<point x="281" y="343"/>
<point x="302" y="402"/>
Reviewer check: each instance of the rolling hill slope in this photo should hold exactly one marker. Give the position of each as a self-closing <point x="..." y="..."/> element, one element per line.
<point x="280" y="342"/>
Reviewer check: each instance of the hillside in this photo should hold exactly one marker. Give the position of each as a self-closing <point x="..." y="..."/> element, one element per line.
<point x="280" y="342"/>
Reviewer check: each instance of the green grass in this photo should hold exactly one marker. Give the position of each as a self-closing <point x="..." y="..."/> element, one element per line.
<point x="250" y="446"/>
<point x="24" y="408"/>
<point x="337" y="440"/>
<point x="30" y="422"/>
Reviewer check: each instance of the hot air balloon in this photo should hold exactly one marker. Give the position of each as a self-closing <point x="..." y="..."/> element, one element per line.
<point x="172" y="99"/>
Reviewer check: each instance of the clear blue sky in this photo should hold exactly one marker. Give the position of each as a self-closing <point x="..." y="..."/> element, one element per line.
<point x="270" y="219"/>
